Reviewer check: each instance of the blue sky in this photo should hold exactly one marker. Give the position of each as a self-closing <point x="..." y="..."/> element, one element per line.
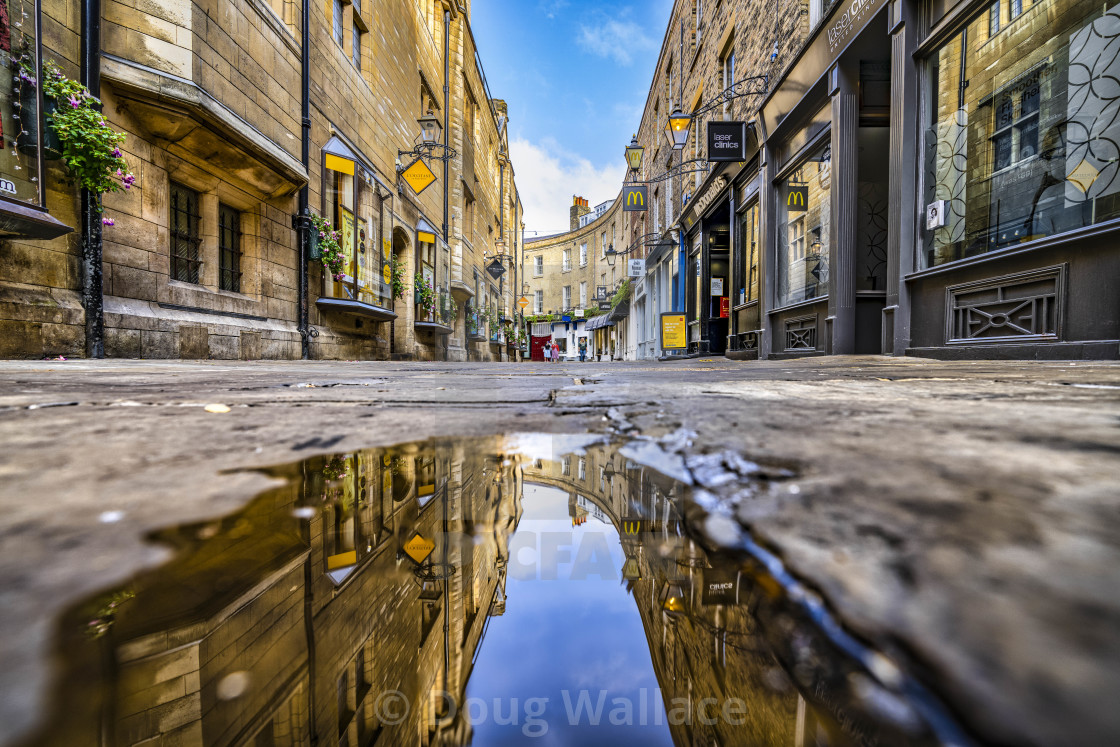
<point x="575" y="74"/>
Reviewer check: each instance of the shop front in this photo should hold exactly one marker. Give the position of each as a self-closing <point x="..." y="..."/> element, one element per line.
<point x="707" y="225"/>
<point x="746" y="317"/>
<point x="23" y="205"/>
<point x="824" y="211"/>
<point x="354" y="203"/>
<point x="1018" y="214"/>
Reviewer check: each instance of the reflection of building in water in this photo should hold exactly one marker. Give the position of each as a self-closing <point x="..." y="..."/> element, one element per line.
<point x="707" y="648"/>
<point x="278" y="631"/>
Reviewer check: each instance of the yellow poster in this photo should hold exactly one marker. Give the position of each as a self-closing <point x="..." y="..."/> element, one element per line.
<point x="673" y="332"/>
<point x="347" y="241"/>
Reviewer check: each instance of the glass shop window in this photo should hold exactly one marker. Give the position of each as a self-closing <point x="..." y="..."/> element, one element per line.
<point x="804" y="215"/>
<point x="1021" y="141"/>
<point x="19" y="105"/>
<point x="746" y="253"/>
<point x="426" y="257"/>
<point x="350" y="206"/>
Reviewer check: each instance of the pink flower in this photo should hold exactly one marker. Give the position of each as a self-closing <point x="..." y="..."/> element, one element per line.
<point x="120" y="173"/>
<point x="74" y="102"/>
<point x="116" y="153"/>
<point x="107" y="221"/>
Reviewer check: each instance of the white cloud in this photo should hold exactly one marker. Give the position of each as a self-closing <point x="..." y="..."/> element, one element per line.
<point x="552" y="8"/>
<point x="548" y="177"/>
<point x="617" y="38"/>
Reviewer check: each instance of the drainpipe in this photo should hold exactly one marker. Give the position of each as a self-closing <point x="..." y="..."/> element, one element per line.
<point x="446" y="110"/>
<point x="93" y="294"/>
<point x="303" y="213"/>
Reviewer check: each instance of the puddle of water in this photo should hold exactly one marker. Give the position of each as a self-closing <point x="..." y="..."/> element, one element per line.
<point x="501" y="591"/>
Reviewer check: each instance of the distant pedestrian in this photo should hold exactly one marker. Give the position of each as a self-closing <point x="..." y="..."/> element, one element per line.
<point x="555" y="353"/>
<point x="548" y="352"/>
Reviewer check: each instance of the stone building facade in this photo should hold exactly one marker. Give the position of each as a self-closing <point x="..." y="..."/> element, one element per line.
<point x="564" y="272"/>
<point x="918" y="178"/>
<point x="201" y="259"/>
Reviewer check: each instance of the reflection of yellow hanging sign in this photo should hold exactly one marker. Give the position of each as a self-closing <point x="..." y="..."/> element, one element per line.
<point x="387" y="275"/>
<point x="418" y="176"/>
<point x="419" y="548"/>
<point x="1083" y="176"/>
<point x="342" y="560"/>
<point x="673" y="332"/>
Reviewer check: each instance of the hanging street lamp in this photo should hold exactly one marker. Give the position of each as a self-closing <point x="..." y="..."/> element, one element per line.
<point x="634" y="154"/>
<point x="610" y="255"/>
<point x="430" y="127"/>
<point x="676" y="129"/>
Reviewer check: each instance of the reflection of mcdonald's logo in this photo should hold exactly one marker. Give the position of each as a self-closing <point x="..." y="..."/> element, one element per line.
<point x="635" y="198"/>
<point x="631" y="526"/>
<point x="796" y="199"/>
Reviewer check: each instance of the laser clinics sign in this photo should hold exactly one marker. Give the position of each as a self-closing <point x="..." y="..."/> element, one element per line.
<point x="847" y="22"/>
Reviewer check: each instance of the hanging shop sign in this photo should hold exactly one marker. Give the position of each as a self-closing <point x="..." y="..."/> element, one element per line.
<point x="727" y="142"/>
<point x="523" y="302"/>
<point x="722" y="586"/>
<point x="673" y="331"/>
<point x="495" y="269"/>
<point x="418" y="176"/>
<point x="635" y="268"/>
<point x="636" y="198"/>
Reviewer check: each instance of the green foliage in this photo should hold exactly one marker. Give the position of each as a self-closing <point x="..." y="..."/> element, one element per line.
<point x="330" y="251"/>
<point x="425" y="294"/>
<point x="622" y="294"/>
<point x="90" y="147"/>
<point x="397" y="276"/>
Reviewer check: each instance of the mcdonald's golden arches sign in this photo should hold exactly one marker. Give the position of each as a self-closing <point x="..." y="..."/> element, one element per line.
<point x="634" y="198"/>
<point x="797" y="198"/>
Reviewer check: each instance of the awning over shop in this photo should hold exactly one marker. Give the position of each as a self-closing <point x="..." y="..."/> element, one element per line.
<point x="620" y="312"/>
<point x="599" y="322"/>
<point x="661" y="249"/>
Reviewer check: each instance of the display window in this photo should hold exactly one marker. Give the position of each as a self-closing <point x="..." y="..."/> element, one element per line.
<point x="803" y="229"/>
<point x="746" y="256"/>
<point x="20" y="99"/>
<point x="1022" y="135"/>
<point x="353" y="207"/>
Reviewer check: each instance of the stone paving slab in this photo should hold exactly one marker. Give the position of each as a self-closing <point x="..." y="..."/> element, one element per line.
<point x="961" y="517"/>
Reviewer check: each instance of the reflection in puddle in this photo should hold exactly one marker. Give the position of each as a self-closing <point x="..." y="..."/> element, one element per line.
<point x="489" y="590"/>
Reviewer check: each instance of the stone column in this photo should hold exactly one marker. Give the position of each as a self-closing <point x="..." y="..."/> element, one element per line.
<point x="844" y="193"/>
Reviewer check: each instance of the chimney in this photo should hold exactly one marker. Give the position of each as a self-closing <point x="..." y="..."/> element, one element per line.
<point x="579" y="208"/>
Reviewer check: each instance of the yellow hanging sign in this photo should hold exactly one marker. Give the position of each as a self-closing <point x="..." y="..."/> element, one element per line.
<point x="418" y="176"/>
<point x="426" y="238"/>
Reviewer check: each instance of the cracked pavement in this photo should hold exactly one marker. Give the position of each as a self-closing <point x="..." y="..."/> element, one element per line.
<point x="960" y="517"/>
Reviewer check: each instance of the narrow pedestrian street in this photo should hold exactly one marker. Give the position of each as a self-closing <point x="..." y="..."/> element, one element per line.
<point x="871" y="549"/>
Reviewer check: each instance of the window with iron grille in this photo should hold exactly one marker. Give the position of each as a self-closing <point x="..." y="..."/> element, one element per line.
<point x="184" y="234"/>
<point x="229" y="248"/>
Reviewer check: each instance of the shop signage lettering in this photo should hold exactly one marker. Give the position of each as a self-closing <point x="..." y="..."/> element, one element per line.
<point x="851" y="18"/>
<point x="7" y="186"/>
<point x="727" y="142"/>
<point x="636" y="198"/>
<point x="709" y="196"/>
<point x="418" y="176"/>
<point x="636" y="268"/>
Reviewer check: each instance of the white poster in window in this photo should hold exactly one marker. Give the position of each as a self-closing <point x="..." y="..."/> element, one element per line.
<point x="717" y="286"/>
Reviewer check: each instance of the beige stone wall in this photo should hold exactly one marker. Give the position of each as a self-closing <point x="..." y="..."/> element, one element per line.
<point x="748" y="28"/>
<point x="208" y="95"/>
<point x="554" y="277"/>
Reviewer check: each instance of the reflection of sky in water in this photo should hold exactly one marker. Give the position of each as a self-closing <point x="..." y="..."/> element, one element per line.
<point x="559" y="633"/>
